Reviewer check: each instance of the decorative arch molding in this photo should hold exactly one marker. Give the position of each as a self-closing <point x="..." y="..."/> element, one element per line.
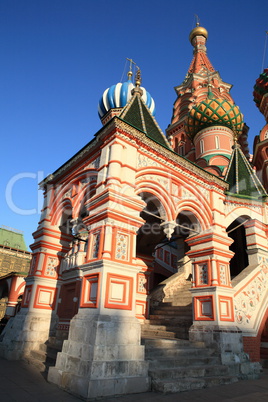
<point x="239" y="211"/>
<point x="65" y="205"/>
<point x="20" y="289"/>
<point x="66" y="192"/>
<point x="80" y="202"/>
<point x="153" y="170"/>
<point x="204" y="219"/>
<point x="164" y="198"/>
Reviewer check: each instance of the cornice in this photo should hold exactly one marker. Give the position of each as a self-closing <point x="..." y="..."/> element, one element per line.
<point x="176" y="162"/>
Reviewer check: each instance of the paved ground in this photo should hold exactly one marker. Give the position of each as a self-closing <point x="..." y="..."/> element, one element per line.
<point x="20" y="382"/>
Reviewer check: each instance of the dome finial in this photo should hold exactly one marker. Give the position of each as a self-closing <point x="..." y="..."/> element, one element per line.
<point x="138" y="77"/>
<point x="198" y="31"/>
<point x="137" y="89"/>
<point x="130" y="73"/>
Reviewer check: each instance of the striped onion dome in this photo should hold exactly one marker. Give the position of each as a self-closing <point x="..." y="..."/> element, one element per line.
<point x="214" y="112"/>
<point x="117" y="96"/>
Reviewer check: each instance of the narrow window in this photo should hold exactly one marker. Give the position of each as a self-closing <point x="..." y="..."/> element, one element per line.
<point x="217" y="142"/>
<point x="202" y="146"/>
<point x="176" y="144"/>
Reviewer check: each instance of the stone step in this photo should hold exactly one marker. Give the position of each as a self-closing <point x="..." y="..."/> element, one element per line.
<point x="167" y="326"/>
<point x="40" y="366"/>
<point x="185" y="301"/>
<point x="183" y="384"/>
<point x="159" y="334"/>
<point x="43" y="356"/>
<point x="50" y="351"/>
<point x="153" y="354"/>
<point x="188" y="372"/>
<point x="174" y="310"/>
<point x="166" y="332"/>
<point x="55" y="342"/>
<point x="172" y="344"/>
<point x="38" y="355"/>
<point x="171" y="363"/>
<point x="168" y="316"/>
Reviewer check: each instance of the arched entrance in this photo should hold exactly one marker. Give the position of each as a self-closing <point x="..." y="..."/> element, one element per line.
<point x="163" y="243"/>
<point x="236" y="231"/>
<point x="151" y="237"/>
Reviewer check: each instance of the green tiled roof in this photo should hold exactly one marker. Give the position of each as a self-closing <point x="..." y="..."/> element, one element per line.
<point x="139" y="116"/>
<point x="12" y="239"/>
<point x="242" y="178"/>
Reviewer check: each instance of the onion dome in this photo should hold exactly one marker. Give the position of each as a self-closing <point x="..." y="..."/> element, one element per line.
<point x="261" y="87"/>
<point x="198" y="31"/>
<point x="117" y="96"/>
<point x="214" y="112"/>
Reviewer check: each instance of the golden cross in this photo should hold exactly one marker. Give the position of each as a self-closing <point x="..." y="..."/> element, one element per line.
<point x="131" y="62"/>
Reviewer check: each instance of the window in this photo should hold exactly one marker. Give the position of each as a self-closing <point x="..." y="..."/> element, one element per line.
<point x="201" y="146"/>
<point x="217" y="142"/>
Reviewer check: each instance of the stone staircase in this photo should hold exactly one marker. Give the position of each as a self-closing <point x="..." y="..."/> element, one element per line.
<point x="46" y="356"/>
<point x="177" y="365"/>
<point x="172" y="317"/>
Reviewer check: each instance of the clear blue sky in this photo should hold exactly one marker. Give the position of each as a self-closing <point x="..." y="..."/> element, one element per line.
<point x="58" y="56"/>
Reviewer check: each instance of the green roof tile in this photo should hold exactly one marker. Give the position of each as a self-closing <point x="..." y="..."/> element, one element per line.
<point x="12" y="238"/>
<point x="139" y="116"/>
<point x="242" y="178"/>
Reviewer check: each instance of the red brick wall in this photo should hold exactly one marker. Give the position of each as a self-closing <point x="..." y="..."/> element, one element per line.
<point x="252" y="345"/>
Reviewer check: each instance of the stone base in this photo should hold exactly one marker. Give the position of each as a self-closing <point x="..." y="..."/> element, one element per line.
<point x="92" y="389"/>
<point x="25" y="332"/>
<point x="228" y="342"/>
<point x="102" y="357"/>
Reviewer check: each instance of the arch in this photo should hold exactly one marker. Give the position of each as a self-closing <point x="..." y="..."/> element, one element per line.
<point x="204" y="216"/>
<point x="238" y="211"/>
<point x="63" y="211"/>
<point x="188" y="223"/>
<point x="164" y="198"/>
<point x="237" y="232"/>
<point x="151" y="234"/>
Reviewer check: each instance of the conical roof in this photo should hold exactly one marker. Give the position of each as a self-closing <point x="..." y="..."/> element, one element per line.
<point x="241" y="177"/>
<point x="138" y="115"/>
<point x="198" y="37"/>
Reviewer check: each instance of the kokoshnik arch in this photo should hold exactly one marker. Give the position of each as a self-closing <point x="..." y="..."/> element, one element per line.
<point x="136" y="207"/>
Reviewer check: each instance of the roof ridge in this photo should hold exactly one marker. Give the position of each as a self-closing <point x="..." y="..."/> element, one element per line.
<point x="137" y="113"/>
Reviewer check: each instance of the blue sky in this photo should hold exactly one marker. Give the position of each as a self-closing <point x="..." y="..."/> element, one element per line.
<point x="58" y="56"/>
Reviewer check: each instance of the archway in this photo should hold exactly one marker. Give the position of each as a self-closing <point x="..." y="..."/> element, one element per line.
<point x="151" y="236"/>
<point x="236" y="231"/>
<point x="163" y="243"/>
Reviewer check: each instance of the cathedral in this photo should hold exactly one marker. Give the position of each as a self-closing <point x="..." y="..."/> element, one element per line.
<point x="149" y="265"/>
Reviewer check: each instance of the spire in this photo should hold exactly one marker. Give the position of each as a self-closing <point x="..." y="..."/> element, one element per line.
<point x="137" y="88"/>
<point x="198" y="37"/>
<point x="241" y="177"/>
